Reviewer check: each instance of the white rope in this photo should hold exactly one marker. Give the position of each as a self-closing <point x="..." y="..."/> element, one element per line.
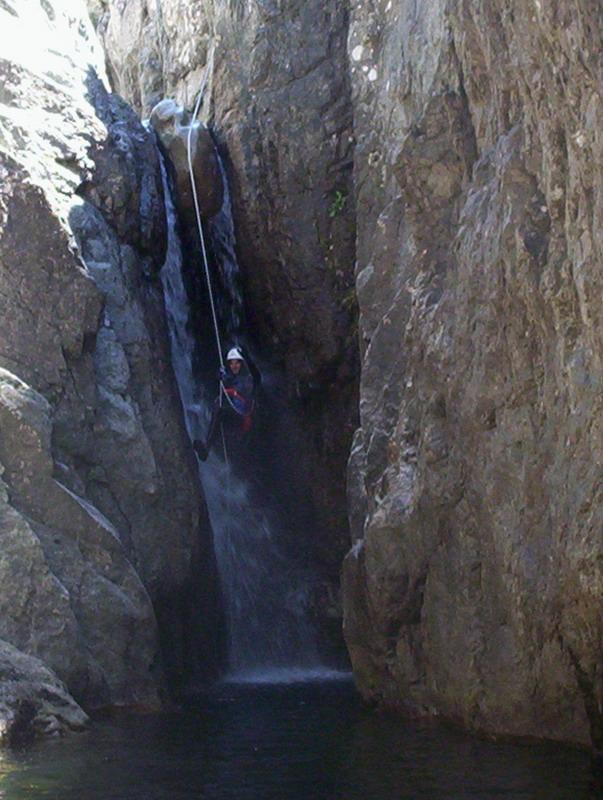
<point x="191" y="174"/>
<point x="232" y="405"/>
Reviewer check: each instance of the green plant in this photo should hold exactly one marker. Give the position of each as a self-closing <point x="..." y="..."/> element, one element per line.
<point x="338" y="204"/>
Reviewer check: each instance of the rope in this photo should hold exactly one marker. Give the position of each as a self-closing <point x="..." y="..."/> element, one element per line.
<point x="232" y="405"/>
<point x="191" y="174"/>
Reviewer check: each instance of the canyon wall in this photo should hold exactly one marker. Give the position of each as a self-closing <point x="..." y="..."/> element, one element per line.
<point x="449" y="152"/>
<point x="106" y="566"/>
<point x="474" y="584"/>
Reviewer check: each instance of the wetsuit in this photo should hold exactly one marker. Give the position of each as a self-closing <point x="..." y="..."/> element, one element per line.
<point x="234" y="404"/>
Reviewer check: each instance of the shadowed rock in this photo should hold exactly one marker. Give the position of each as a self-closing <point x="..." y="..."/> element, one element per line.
<point x="33" y="701"/>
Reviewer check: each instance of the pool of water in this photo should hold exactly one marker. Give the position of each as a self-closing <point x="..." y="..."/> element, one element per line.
<point x="290" y="741"/>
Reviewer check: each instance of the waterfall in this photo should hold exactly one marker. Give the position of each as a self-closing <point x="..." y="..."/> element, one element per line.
<point x="265" y="595"/>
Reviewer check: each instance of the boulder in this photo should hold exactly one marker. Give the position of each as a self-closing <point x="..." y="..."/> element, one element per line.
<point x="33" y="701"/>
<point x="174" y="127"/>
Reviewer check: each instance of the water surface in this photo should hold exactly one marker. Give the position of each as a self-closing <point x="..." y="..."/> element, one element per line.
<point x="304" y="741"/>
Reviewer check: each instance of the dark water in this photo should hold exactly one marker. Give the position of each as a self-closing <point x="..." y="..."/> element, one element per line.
<point x="302" y="742"/>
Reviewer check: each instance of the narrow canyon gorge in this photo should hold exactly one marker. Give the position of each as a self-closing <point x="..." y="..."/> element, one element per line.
<point x="417" y="194"/>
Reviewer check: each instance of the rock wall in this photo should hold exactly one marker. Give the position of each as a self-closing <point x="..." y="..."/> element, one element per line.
<point x="106" y="566"/>
<point x="279" y="107"/>
<point x="473" y="588"/>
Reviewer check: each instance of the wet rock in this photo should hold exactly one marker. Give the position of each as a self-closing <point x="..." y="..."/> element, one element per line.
<point x="173" y="128"/>
<point x="126" y="185"/>
<point x="33" y="701"/>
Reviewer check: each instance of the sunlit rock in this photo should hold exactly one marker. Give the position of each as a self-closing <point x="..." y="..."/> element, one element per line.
<point x="174" y="128"/>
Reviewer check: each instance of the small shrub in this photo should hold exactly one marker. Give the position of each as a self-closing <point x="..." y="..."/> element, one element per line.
<point x="338" y="204"/>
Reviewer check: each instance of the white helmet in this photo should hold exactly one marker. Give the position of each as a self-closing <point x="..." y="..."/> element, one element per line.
<point x="235" y="353"/>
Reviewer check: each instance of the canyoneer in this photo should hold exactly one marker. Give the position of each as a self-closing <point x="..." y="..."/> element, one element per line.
<point x="235" y="404"/>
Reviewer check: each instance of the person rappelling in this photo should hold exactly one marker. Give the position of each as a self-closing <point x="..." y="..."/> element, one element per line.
<point x="235" y="404"/>
<point x="239" y="378"/>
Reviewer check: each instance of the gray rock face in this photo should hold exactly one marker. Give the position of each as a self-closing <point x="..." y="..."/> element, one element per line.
<point x="473" y="589"/>
<point x="156" y="50"/>
<point x="33" y="702"/>
<point x="91" y="620"/>
<point x="106" y="533"/>
<point x="279" y="106"/>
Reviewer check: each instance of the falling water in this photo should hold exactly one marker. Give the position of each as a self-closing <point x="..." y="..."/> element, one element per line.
<point x="265" y="596"/>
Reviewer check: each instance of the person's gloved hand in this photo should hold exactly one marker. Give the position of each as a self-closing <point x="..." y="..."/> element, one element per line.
<point x="223" y="373"/>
